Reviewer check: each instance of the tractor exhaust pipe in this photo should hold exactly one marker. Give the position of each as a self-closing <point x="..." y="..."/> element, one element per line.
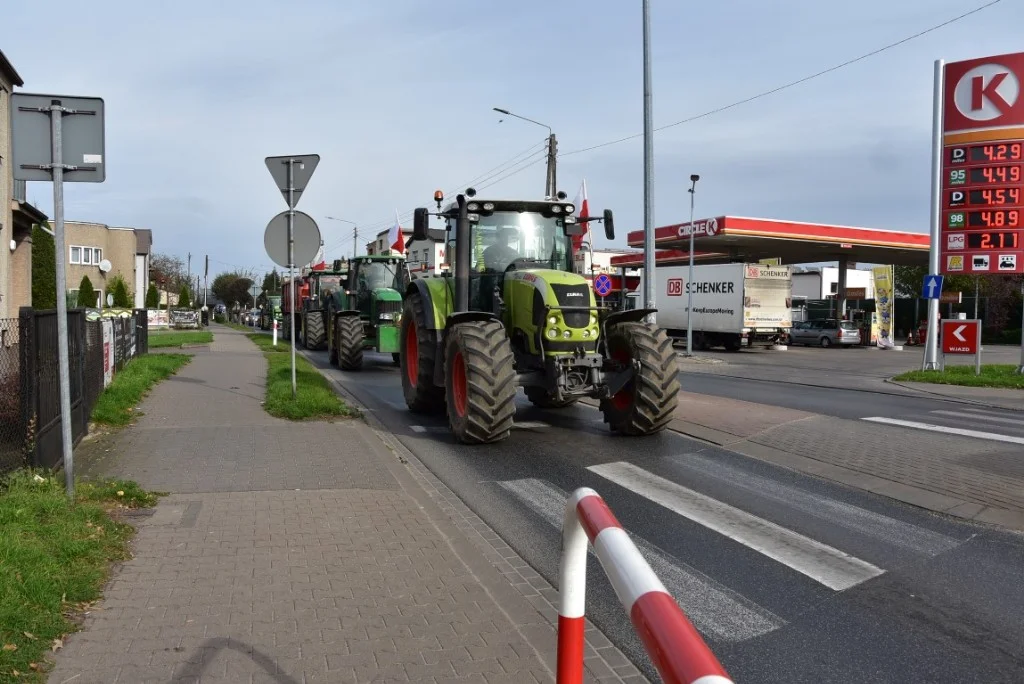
<point x="462" y="256"/>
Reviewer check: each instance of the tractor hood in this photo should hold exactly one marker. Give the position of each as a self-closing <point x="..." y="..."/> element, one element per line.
<point x="386" y="294"/>
<point x="558" y="288"/>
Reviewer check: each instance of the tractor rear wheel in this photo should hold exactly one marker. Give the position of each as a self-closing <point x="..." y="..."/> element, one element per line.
<point x="348" y="336"/>
<point x="332" y="344"/>
<point x="417" y="359"/>
<point x="313" y="331"/>
<point x="646" y="403"/>
<point x="542" y="399"/>
<point x="480" y="382"/>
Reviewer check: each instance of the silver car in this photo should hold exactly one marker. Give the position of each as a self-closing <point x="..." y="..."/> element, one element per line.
<point x="825" y="333"/>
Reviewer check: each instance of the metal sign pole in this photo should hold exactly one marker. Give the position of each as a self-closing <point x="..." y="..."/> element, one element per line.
<point x="291" y="259"/>
<point x="57" y="171"/>
<point x="649" y="242"/>
<point x="930" y="361"/>
<point x="1020" y="368"/>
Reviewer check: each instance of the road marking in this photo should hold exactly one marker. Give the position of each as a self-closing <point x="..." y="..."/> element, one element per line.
<point x="713" y="608"/>
<point x="824" y="564"/>
<point x="948" y="430"/>
<point x="529" y="424"/>
<point x="859" y="520"/>
<point x="1016" y="422"/>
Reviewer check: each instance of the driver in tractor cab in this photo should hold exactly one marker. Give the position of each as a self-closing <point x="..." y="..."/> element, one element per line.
<point x="499" y="255"/>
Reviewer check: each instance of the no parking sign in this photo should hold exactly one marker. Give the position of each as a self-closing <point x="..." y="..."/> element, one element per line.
<point x="602" y="285"/>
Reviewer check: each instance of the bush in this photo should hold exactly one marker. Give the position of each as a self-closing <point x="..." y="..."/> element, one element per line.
<point x="119" y="288"/>
<point x="86" y="293"/>
<point x="152" y="297"/>
<point x="44" y="269"/>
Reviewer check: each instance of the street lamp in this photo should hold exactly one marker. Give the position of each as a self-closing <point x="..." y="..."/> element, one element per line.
<point x="689" y="279"/>
<point x="355" y="234"/>
<point x="549" y="183"/>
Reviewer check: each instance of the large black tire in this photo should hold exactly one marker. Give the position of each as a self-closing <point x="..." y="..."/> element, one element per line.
<point x="418" y="356"/>
<point x="332" y="343"/>
<point x="348" y="337"/>
<point x="480" y="382"/>
<point x="646" y="404"/>
<point x="314" y="330"/>
<point x="542" y="399"/>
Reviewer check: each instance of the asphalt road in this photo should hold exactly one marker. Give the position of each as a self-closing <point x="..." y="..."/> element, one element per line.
<point x="789" y="579"/>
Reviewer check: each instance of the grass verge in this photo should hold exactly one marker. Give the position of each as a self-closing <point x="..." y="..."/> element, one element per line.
<point x="315" y="399"/>
<point x="995" y="375"/>
<point x="179" y="337"/>
<point x="116" y="404"/>
<point x="55" y="557"/>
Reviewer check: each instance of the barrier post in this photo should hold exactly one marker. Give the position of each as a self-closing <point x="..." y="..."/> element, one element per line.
<point x="674" y="645"/>
<point x="275" y="333"/>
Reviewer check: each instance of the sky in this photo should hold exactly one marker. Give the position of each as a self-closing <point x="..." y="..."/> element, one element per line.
<point x="396" y="97"/>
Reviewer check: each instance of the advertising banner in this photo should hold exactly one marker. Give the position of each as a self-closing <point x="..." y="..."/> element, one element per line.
<point x="884" y="304"/>
<point x="108" y="352"/>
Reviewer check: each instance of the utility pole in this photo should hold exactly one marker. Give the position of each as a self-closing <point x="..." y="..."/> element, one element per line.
<point x="689" y="278"/>
<point x="649" y="263"/>
<point x="189" y="271"/>
<point x="355" y="233"/>
<point x="551" y="179"/>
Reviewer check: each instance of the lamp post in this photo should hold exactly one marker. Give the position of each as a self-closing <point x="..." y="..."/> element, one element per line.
<point x="550" y="181"/>
<point x="689" y="278"/>
<point x="355" y="234"/>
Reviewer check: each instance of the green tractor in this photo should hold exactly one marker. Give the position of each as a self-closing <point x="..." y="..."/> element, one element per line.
<point x="365" y="313"/>
<point x="270" y="312"/>
<point x="516" y="315"/>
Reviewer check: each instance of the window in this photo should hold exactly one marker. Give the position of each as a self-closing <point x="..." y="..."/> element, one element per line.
<point x="87" y="256"/>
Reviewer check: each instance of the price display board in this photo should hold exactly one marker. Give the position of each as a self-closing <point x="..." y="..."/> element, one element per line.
<point x="982" y="229"/>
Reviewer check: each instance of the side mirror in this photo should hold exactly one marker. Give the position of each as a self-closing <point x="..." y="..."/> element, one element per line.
<point x="609" y="224"/>
<point x="420" y="223"/>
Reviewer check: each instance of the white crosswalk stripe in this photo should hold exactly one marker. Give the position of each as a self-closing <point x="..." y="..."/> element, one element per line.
<point x="713" y="608"/>
<point x="984" y="417"/>
<point x="822" y="563"/>
<point x="962" y="432"/>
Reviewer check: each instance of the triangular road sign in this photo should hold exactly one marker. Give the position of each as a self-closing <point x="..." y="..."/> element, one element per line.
<point x="303" y="167"/>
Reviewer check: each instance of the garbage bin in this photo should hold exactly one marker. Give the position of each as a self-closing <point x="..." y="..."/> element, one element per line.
<point x="206" y="317"/>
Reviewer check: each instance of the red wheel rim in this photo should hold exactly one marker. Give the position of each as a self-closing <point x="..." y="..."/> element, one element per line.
<point x="459" y="383"/>
<point x="412" y="353"/>
<point x="623" y="399"/>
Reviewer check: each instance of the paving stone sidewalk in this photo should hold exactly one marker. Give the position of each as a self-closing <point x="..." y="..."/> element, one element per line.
<point x="291" y="552"/>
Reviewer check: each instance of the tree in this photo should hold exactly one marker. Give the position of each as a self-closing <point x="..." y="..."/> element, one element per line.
<point x="272" y="283"/>
<point x="170" y="269"/>
<point x="44" y="269"/>
<point x="152" y="297"/>
<point x="232" y="288"/>
<point x="184" y="301"/>
<point x="121" y="297"/>
<point x="86" y="293"/>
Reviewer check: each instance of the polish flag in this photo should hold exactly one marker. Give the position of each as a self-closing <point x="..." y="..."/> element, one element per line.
<point x="396" y="238"/>
<point x="582" y="211"/>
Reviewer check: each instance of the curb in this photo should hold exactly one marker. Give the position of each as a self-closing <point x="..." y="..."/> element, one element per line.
<point x="958" y="400"/>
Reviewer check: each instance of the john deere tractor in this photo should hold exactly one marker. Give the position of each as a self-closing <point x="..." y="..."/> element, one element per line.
<point x="514" y="314"/>
<point x="366" y="312"/>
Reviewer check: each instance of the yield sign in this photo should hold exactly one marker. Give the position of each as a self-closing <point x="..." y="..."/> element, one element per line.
<point x="302" y="165"/>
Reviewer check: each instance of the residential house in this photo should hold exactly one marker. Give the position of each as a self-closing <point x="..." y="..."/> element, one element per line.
<point x="102" y="252"/>
<point x="16" y="215"/>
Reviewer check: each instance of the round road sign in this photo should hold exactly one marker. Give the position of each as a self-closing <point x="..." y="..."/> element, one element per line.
<point x="602" y="285"/>
<point x="305" y="234"/>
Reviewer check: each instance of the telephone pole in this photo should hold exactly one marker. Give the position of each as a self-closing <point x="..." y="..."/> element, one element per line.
<point x="355" y="234"/>
<point x="551" y="180"/>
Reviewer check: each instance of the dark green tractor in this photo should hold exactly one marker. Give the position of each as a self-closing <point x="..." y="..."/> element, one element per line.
<point x="366" y="313"/>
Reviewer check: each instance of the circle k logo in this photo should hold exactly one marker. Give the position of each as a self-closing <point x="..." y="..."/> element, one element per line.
<point x="986" y="92"/>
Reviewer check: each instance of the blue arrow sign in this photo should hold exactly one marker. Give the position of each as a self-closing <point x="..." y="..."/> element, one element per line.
<point x="602" y="285"/>
<point x="933" y="286"/>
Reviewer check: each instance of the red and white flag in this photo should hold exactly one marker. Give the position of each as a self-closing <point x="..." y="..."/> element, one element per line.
<point x="582" y="211"/>
<point x="396" y="238"/>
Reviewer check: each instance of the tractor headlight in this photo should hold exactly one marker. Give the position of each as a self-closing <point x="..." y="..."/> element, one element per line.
<point x="569" y="208"/>
<point x="387" y="317"/>
<point x="556" y="208"/>
<point x="586" y="334"/>
<point x="552" y="320"/>
<point x="473" y="206"/>
<point x="566" y="334"/>
<point x="488" y="206"/>
<point x="593" y="319"/>
<point x="552" y="333"/>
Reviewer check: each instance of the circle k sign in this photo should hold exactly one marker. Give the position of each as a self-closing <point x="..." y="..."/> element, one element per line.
<point x="708" y="227"/>
<point x="984" y="93"/>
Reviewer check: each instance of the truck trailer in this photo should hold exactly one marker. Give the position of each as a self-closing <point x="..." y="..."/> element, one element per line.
<point x="733" y="304"/>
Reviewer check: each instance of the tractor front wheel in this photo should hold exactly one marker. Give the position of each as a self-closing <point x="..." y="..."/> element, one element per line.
<point x="480" y="382"/>
<point x="417" y="359"/>
<point x="348" y="336"/>
<point x="542" y="399"/>
<point x="646" y="403"/>
<point x="313" y="330"/>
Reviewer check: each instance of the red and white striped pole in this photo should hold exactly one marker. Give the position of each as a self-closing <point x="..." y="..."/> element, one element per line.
<point x="675" y="647"/>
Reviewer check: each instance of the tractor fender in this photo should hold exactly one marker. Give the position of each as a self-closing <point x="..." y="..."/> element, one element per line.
<point x="435" y="303"/>
<point x="346" y="312"/>
<point x="631" y="316"/>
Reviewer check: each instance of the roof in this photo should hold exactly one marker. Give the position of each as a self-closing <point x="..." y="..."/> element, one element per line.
<point x="8" y="71"/>
<point x="726" y="239"/>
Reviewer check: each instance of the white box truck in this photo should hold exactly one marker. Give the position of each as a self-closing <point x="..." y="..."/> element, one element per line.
<point x="732" y="303"/>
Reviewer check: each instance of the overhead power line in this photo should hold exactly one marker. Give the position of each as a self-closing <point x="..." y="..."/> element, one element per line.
<point x="791" y="84"/>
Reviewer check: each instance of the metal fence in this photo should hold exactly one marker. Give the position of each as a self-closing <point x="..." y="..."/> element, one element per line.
<point x="30" y="419"/>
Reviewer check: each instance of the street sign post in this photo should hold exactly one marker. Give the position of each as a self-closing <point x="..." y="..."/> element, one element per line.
<point x="932" y="286"/>
<point x="291" y="174"/>
<point x="60" y="139"/>
<point x="962" y="338"/>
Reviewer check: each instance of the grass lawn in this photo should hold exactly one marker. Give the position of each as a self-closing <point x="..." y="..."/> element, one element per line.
<point x="314" y="397"/>
<point x="176" y="338"/>
<point x="117" y="402"/>
<point x="54" y="559"/>
<point x="994" y="375"/>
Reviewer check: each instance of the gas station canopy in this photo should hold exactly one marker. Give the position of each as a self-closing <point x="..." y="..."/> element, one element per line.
<point x="727" y="239"/>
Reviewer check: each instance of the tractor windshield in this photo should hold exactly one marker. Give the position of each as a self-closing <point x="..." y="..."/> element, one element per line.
<point x="327" y="284"/>
<point x="527" y="239"/>
<point x="375" y="274"/>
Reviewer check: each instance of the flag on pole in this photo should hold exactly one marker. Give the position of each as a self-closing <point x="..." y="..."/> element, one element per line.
<point x="582" y="211"/>
<point x="396" y="238"/>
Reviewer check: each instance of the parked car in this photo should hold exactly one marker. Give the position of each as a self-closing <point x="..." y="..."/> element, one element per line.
<point x="825" y="332"/>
